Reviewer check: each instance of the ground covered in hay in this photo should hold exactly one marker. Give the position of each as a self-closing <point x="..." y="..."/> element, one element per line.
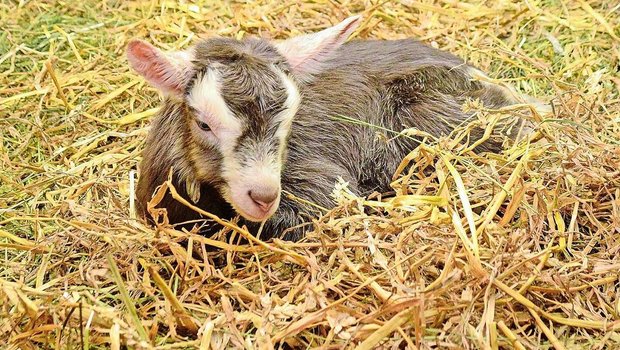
<point x="513" y="250"/>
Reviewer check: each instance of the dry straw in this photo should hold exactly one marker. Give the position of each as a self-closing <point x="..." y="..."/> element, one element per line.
<point x="513" y="250"/>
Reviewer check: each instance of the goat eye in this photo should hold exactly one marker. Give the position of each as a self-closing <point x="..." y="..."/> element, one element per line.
<point x="202" y="125"/>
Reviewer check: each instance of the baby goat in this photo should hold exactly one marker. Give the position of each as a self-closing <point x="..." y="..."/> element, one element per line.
<point x="244" y="121"/>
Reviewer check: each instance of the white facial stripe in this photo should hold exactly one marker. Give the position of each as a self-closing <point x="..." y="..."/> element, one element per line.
<point x="291" y="104"/>
<point x="293" y="98"/>
<point x="206" y="98"/>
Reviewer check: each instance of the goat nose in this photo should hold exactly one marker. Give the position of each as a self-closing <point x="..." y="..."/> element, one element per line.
<point x="264" y="198"/>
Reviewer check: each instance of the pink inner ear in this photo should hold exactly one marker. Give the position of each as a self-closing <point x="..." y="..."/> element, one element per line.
<point x="307" y="53"/>
<point x="154" y="66"/>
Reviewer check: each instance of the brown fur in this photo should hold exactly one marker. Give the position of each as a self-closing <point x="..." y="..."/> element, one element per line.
<point x="392" y="84"/>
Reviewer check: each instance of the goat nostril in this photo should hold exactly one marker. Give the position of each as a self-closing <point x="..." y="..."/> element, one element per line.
<point x="263" y="199"/>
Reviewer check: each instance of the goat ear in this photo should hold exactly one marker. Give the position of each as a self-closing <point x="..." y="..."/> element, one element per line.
<point x="169" y="72"/>
<point x="307" y="53"/>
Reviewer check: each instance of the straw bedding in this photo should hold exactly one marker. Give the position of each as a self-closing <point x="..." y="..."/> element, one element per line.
<point x="513" y="250"/>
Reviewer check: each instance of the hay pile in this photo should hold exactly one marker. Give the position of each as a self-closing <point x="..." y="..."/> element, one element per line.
<point x="518" y="250"/>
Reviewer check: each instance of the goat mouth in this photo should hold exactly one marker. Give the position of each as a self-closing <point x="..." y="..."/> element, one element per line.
<point x="252" y="211"/>
<point x="262" y="214"/>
